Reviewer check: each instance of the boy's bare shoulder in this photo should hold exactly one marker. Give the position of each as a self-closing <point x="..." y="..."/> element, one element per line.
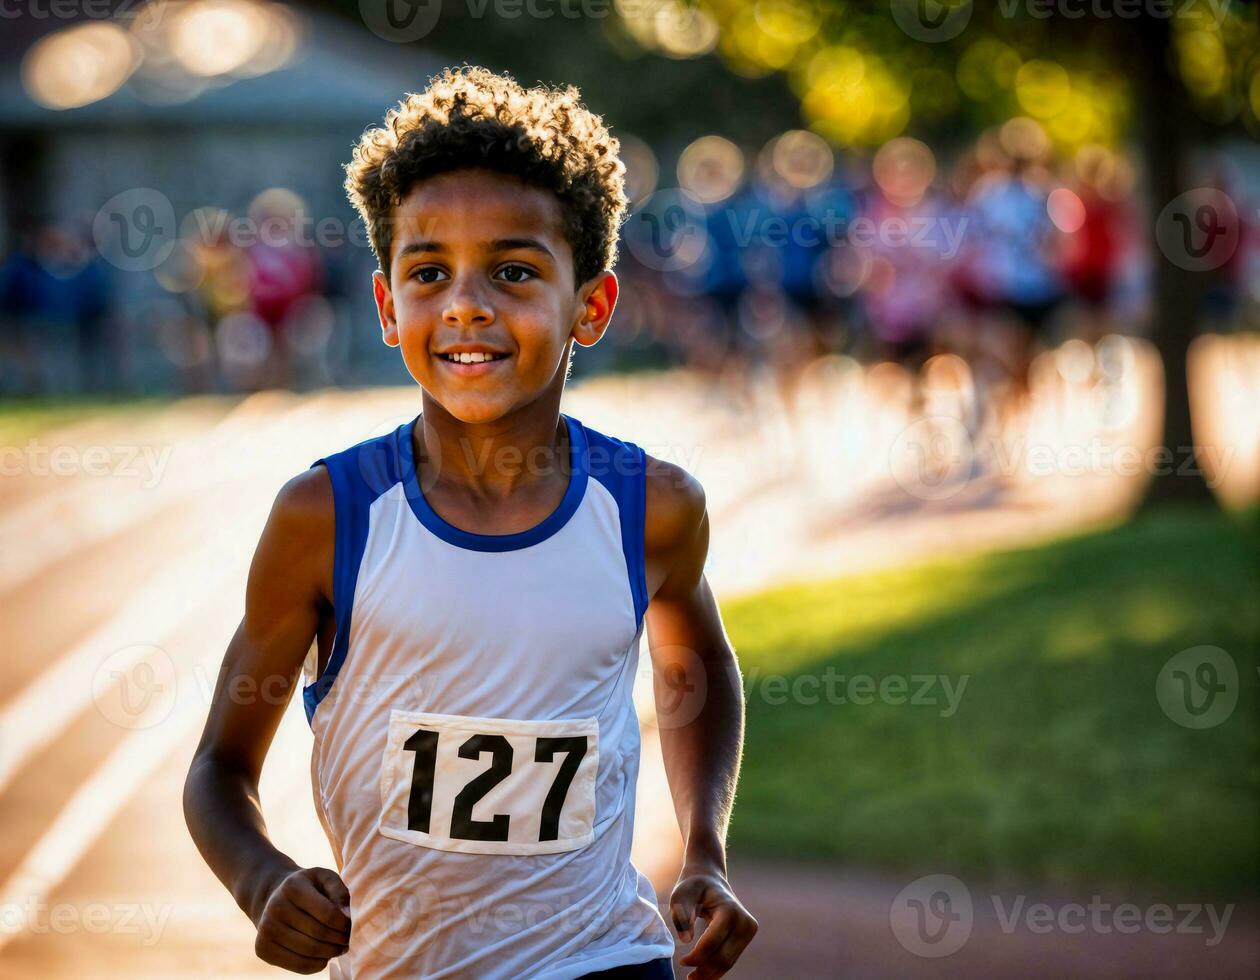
<point x="307" y="498"/>
<point x="675" y="506"/>
<point x="295" y="554"/>
<point x="303" y="517"/>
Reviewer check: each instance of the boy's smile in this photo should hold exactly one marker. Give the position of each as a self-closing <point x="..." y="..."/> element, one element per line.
<point x="481" y="296"/>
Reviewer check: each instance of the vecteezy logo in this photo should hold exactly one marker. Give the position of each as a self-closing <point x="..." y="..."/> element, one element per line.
<point x="680" y="687"/>
<point x="400" y="21"/>
<point x="932" y="20"/>
<point x="135" y="687"/>
<point x="932" y="916"/>
<point x="135" y="230"/>
<point x="932" y="458"/>
<point x="379" y="459"/>
<point x="403" y="912"/>
<point x="1198" y="688"/>
<point x="667" y="232"/>
<point x="1198" y="230"/>
<point x="663" y="227"/>
<point x="1208" y="222"/>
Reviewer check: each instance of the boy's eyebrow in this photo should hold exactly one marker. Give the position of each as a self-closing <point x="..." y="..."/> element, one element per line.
<point x="411" y="247"/>
<point x="510" y="244"/>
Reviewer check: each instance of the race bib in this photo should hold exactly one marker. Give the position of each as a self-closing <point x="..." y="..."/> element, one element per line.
<point x="489" y="785"/>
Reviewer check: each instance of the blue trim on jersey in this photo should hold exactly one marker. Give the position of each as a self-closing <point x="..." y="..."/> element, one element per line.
<point x="497" y="542"/>
<point x="622" y="469"/>
<point x="359" y="475"/>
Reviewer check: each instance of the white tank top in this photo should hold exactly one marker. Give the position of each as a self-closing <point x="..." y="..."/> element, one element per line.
<point x="476" y="743"/>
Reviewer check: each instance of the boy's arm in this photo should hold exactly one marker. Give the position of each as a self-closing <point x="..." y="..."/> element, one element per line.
<point x="301" y="914"/>
<point x="700" y="712"/>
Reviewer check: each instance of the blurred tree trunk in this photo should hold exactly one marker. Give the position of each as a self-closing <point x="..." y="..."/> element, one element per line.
<point x="1164" y="115"/>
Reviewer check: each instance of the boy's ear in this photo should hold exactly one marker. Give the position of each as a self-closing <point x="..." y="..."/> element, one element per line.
<point x="385" y="308"/>
<point x="598" y="298"/>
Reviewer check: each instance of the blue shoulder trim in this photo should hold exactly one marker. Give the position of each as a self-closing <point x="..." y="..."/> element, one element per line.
<point x="359" y="475"/>
<point x="622" y="469"/>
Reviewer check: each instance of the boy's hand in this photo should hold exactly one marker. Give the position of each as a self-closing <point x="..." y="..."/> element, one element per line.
<point x="306" y="921"/>
<point x="730" y="926"/>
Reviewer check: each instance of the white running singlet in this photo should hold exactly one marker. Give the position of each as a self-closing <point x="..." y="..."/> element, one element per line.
<point x="476" y="743"/>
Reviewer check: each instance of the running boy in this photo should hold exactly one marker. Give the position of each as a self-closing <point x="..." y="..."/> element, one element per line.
<point x="476" y="583"/>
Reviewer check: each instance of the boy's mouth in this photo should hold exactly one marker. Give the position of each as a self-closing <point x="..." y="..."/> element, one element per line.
<point x="471" y="364"/>
<point x="474" y="357"/>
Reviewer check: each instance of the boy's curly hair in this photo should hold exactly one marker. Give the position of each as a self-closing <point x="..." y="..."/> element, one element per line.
<point x="472" y="118"/>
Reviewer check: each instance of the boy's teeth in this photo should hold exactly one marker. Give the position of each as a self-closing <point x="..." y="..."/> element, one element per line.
<point x="475" y="357"/>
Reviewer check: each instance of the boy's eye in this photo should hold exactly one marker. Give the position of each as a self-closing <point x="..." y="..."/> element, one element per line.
<point x="428" y="273"/>
<point x="515" y="274"/>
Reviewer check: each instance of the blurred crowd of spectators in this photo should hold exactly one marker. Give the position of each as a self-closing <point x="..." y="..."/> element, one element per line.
<point x="55" y="291"/>
<point x="751" y="261"/>
<point x="231" y="309"/>
<point x="1010" y="248"/>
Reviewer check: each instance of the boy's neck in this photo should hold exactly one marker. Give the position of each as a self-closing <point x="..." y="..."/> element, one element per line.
<point x="492" y="459"/>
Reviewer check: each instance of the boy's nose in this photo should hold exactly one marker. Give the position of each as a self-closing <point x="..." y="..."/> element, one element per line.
<point x="466" y="307"/>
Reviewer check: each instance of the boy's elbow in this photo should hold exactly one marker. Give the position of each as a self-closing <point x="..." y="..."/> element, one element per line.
<point x="194" y="783"/>
<point x="207" y="770"/>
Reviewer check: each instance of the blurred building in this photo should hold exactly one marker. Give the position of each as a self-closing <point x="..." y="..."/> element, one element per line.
<point x="209" y="103"/>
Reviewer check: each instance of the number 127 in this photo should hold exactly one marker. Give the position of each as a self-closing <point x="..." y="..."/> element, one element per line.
<point x="463" y="826"/>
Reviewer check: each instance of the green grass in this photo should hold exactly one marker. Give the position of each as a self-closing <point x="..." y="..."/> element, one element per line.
<point x="1059" y="764"/>
<point x="26" y="418"/>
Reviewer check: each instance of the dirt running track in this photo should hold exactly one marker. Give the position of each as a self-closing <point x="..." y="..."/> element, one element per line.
<point x="120" y="589"/>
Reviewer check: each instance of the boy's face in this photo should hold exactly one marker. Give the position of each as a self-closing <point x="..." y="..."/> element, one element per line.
<point x="479" y="265"/>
